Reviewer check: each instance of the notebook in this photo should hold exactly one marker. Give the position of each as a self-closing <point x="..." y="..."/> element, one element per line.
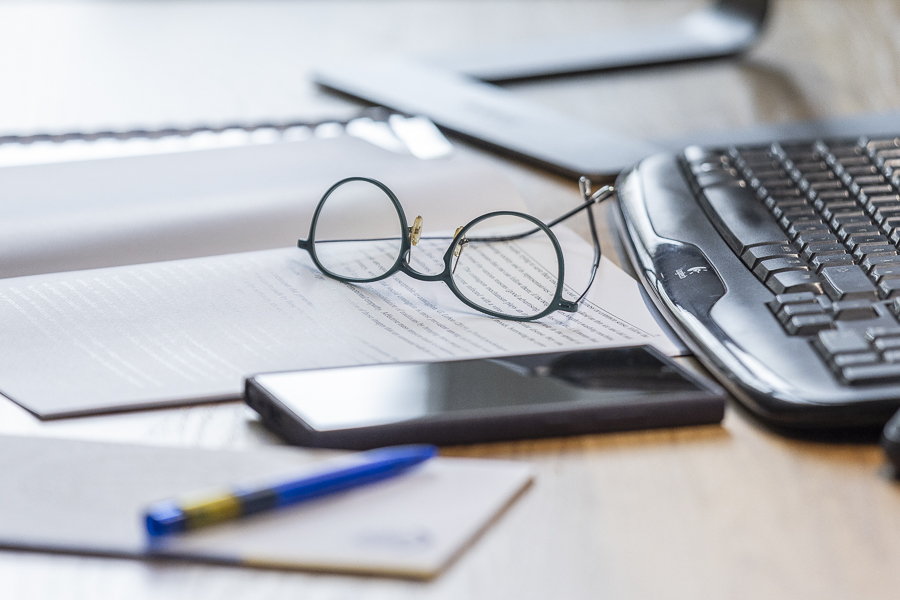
<point x="88" y="498"/>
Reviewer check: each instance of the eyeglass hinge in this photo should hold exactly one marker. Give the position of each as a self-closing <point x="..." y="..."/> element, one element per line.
<point x="586" y="187"/>
<point x="567" y="306"/>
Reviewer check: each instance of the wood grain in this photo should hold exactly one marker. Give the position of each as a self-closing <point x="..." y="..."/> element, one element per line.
<point x="731" y="511"/>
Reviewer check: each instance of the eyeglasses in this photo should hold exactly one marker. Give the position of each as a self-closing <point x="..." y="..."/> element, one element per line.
<point x="505" y="264"/>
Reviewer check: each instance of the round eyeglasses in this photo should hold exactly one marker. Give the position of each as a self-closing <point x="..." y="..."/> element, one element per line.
<point x="505" y="264"/>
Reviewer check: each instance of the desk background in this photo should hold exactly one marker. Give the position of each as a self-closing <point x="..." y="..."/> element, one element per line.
<point x="708" y="512"/>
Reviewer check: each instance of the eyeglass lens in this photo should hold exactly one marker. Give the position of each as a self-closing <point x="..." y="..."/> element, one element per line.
<point x="358" y="233"/>
<point x="507" y="265"/>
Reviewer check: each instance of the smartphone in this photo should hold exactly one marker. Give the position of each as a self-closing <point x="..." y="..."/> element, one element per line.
<point x="472" y="401"/>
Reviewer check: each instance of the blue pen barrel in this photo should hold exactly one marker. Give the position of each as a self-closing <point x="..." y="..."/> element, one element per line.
<point x="327" y="483"/>
<point x="172" y="516"/>
<point x="255" y="501"/>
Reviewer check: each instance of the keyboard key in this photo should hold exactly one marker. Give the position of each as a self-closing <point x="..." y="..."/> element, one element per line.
<point x="853" y="217"/>
<point x="794" y="281"/>
<point x="830" y="209"/>
<point x="757" y="253"/>
<point x="873" y="333"/>
<point x="852" y="310"/>
<point x="880" y="144"/>
<point x="827" y="184"/>
<point x="870" y="262"/>
<point x="864" y="358"/>
<point x="818" y="176"/>
<point x="833" y="342"/>
<point x="864" y="251"/>
<point x="800" y="222"/>
<point x="811" y="238"/>
<point x="742" y="219"/>
<point x="810" y="166"/>
<point x="885" y="200"/>
<point x="781" y="204"/>
<point x="808" y="324"/>
<point x="875" y="190"/>
<point x="781" y="194"/>
<point x="874" y="211"/>
<point x="796" y="229"/>
<point x="846" y="231"/>
<point x="783" y="300"/>
<point x="769" y="267"/>
<point x="847" y="283"/>
<point x="790" y="311"/>
<point x="879" y="373"/>
<point x="841" y="149"/>
<point x="861" y="171"/>
<point x="885" y="271"/>
<point x="887" y="343"/>
<point x="822" y="249"/>
<point x="853" y="161"/>
<point x="889" y="228"/>
<point x="865" y="238"/>
<point x="885" y="214"/>
<point x="830" y="260"/>
<point x="791" y="214"/>
<point x="889" y="288"/>
<point x="869" y="180"/>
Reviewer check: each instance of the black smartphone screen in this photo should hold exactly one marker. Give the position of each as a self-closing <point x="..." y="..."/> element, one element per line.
<point x="355" y="398"/>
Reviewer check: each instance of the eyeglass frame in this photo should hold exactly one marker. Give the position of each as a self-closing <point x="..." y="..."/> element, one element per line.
<point x="558" y="303"/>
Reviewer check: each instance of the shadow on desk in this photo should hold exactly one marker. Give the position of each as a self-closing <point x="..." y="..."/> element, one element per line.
<point x="578" y="445"/>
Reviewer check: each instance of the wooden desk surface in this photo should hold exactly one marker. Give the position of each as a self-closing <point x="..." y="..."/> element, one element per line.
<point x="730" y="511"/>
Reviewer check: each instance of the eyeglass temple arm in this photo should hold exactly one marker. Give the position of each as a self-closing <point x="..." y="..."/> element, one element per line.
<point x="597" y="197"/>
<point x="591" y="198"/>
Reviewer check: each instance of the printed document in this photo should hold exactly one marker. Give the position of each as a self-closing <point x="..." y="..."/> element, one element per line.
<point x="189" y="331"/>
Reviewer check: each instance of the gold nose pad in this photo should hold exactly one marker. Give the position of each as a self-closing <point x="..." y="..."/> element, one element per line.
<point x="415" y="232"/>
<point x="458" y="249"/>
<point x="460" y="243"/>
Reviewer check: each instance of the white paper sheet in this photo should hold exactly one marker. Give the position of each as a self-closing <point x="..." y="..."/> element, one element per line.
<point x="188" y="331"/>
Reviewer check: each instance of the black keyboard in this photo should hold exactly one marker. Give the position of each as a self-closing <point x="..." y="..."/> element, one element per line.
<point x="779" y="265"/>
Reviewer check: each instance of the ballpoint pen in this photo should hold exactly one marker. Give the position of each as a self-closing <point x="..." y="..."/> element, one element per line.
<point x="174" y="516"/>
